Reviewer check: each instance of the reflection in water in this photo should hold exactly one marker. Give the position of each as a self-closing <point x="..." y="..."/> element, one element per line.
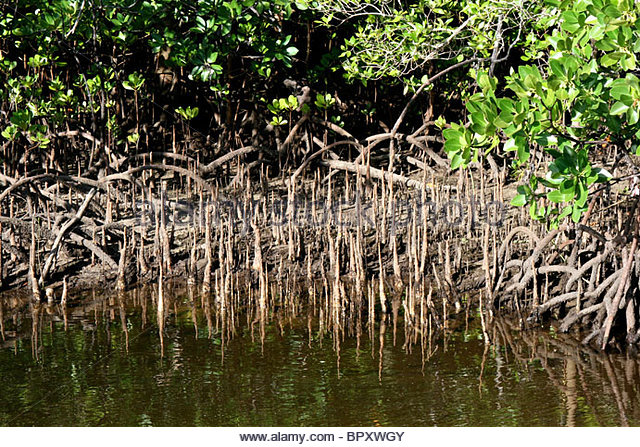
<point x="161" y="311"/>
<point x="111" y="362"/>
<point x="2" y="320"/>
<point x="580" y="367"/>
<point x="571" y="393"/>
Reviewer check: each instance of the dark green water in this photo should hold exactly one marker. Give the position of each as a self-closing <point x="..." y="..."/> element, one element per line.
<point x="91" y="375"/>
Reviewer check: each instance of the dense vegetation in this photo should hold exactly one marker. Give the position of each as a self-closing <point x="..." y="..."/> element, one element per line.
<point x="205" y="79"/>
<point x="212" y="77"/>
<point x="543" y="93"/>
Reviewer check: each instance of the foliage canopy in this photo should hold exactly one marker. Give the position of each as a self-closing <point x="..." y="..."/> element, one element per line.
<point x="551" y="77"/>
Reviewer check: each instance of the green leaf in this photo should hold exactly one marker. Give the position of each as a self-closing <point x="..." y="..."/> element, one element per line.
<point x="452" y="146"/>
<point x="620" y="90"/>
<point x="454" y="140"/>
<point x="480" y="124"/>
<point x="582" y="194"/>
<point x="565" y="212"/>
<point x="570" y="21"/>
<point x="611" y="59"/>
<point x="603" y="175"/>
<point x="519" y="200"/>
<point x="523" y="153"/>
<point x="559" y="197"/>
<point x="486" y="83"/>
<point x="577" y="213"/>
<point x="612" y="11"/>
<point x="618" y="108"/>
<point x="558" y="68"/>
<point x="510" y="145"/>
<point x="568" y="186"/>
<point x="456" y="161"/>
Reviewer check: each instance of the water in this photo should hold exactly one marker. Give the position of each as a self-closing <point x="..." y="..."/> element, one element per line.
<point x="96" y="373"/>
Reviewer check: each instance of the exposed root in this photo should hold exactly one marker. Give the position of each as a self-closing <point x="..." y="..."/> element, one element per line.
<point x="594" y="284"/>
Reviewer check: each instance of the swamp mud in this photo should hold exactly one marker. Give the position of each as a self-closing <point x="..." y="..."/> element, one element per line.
<point x="122" y="360"/>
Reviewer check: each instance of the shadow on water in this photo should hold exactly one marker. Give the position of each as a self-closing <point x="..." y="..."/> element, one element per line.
<point x="104" y="361"/>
